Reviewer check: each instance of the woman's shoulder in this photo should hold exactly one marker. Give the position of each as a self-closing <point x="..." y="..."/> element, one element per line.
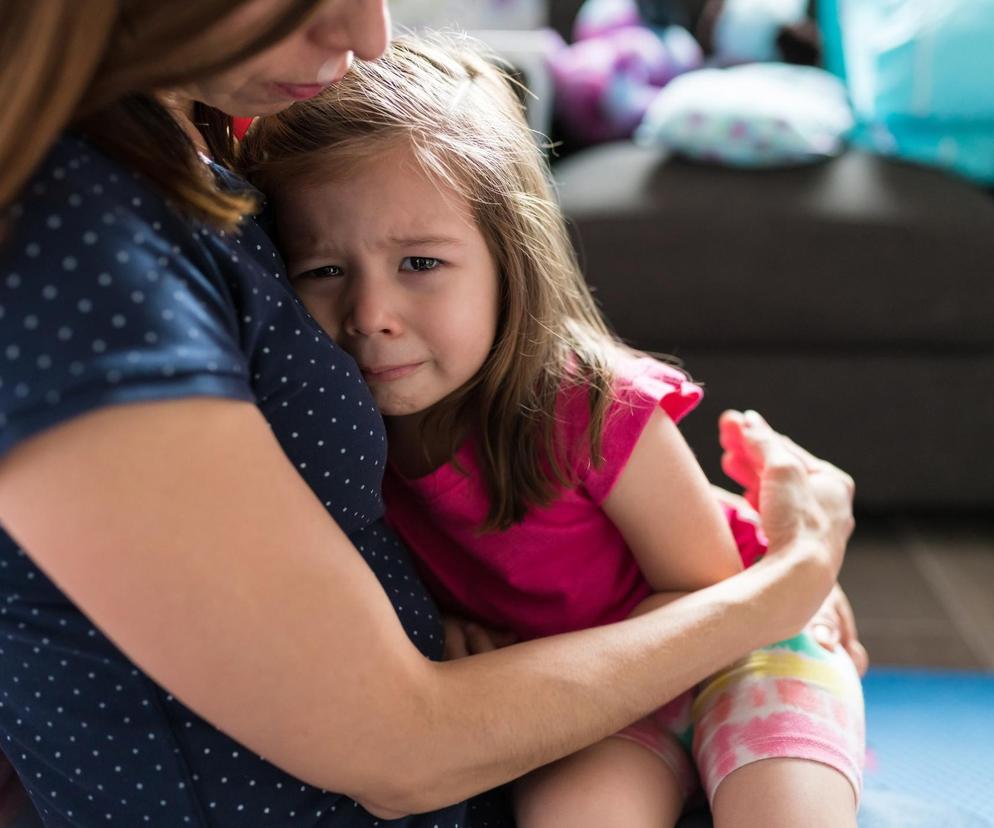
<point x="75" y="174"/>
<point x="86" y="223"/>
<point x="84" y="211"/>
<point x="78" y="184"/>
<point x="107" y="294"/>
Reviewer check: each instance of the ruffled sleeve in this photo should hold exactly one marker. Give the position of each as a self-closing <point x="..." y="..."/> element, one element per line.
<point x="642" y="385"/>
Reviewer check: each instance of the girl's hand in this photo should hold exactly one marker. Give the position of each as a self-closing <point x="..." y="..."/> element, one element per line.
<point x="834" y="624"/>
<point x="464" y="637"/>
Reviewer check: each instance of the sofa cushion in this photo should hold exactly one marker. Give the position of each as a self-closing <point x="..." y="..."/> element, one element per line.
<point x="858" y="252"/>
<point x="911" y="427"/>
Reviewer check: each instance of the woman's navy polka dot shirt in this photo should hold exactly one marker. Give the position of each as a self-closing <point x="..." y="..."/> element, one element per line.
<point x="108" y="296"/>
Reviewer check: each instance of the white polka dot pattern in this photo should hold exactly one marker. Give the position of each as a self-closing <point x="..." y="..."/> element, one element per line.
<point x="109" y="296"/>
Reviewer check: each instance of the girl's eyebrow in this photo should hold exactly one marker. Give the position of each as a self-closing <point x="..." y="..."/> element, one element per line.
<point x="424" y="241"/>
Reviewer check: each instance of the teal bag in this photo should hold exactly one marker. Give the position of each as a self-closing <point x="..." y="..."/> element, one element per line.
<point x="920" y="75"/>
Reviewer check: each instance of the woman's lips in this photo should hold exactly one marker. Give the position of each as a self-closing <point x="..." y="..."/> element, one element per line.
<point x="300" y="91"/>
<point x="388" y="373"/>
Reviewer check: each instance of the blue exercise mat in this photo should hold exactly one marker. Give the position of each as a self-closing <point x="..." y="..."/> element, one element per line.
<point x="930" y="737"/>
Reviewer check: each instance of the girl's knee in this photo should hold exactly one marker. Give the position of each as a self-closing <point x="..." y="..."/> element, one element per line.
<point x="616" y="782"/>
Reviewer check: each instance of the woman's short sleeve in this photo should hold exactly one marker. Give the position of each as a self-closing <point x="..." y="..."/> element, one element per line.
<point x="106" y="297"/>
<point x="642" y="385"/>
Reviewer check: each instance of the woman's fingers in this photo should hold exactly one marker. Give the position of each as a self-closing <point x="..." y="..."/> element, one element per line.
<point x="810" y="461"/>
<point x="768" y="449"/>
<point x="464" y="638"/>
<point x="752" y="445"/>
<point x="805" y="509"/>
<point x="835" y="625"/>
<point x="478" y="639"/>
<point x="857" y="652"/>
<point x="798" y="494"/>
<point x="827" y="624"/>
<point x="848" y="632"/>
<point x="815" y="464"/>
<point x="761" y="442"/>
<point x="455" y="638"/>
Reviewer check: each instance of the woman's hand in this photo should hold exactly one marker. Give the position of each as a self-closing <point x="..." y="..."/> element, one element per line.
<point x="835" y="625"/>
<point x="796" y="494"/>
<point x="805" y="509"/>
<point x="464" y="637"/>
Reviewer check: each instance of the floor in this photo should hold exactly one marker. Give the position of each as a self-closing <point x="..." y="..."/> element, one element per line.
<point x="922" y="589"/>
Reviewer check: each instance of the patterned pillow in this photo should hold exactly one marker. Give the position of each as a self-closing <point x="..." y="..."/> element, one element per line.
<point x="759" y="115"/>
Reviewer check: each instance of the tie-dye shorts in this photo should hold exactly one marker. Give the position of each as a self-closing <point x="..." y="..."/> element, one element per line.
<point x="793" y="699"/>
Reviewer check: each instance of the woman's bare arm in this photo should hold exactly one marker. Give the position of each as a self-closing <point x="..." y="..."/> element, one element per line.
<point x="182" y="531"/>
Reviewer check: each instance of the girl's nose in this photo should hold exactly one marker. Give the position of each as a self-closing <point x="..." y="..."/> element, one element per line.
<point x="371" y="311"/>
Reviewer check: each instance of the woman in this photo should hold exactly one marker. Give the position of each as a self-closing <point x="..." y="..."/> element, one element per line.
<point x="217" y="586"/>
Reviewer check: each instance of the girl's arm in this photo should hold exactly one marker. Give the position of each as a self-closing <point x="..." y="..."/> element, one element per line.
<point x="182" y="530"/>
<point x="669" y="516"/>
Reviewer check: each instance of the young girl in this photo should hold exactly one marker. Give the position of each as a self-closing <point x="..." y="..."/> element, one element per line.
<point x="536" y="471"/>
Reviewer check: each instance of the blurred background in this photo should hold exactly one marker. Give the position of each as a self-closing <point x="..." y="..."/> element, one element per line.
<point x="796" y="200"/>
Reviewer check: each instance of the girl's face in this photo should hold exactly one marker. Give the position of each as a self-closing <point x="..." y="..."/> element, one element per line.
<point x="393" y="266"/>
<point x="315" y="55"/>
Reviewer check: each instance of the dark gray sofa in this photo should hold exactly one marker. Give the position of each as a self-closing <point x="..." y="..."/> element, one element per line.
<point x="851" y="302"/>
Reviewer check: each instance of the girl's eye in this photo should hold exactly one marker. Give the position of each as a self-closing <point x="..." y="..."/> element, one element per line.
<point x="419" y="263"/>
<point x="323" y="272"/>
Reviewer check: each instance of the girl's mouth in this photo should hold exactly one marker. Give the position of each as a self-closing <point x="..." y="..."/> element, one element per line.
<point x="388" y="373"/>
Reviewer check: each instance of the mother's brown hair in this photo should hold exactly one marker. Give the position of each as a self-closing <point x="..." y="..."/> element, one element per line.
<point x="94" y="64"/>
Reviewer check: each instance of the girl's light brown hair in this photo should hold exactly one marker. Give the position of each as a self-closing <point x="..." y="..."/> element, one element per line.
<point x="465" y="125"/>
<point x="94" y="64"/>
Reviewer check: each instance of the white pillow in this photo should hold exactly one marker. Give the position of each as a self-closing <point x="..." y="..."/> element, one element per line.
<point x="759" y="115"/>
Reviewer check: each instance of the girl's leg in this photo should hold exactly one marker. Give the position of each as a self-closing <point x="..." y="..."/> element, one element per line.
<point x="785" y="793"/>
<point x="779" y="738"/>
<point x="616" y="783"/>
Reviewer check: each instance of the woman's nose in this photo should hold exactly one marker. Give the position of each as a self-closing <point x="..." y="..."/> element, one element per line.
<point x="358" y="26"/>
